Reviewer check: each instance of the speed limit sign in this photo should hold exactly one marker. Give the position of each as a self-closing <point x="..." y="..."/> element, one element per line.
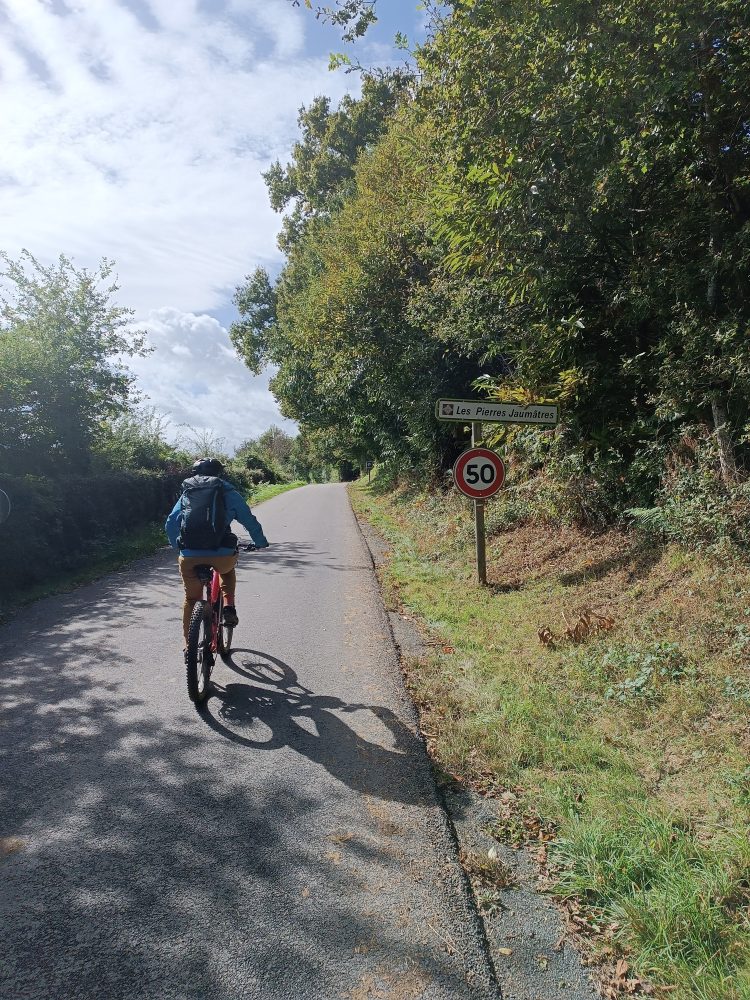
<point x="479" y="473"/>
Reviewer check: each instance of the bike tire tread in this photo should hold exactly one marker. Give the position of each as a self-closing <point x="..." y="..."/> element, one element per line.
<point x="199" y="621"/>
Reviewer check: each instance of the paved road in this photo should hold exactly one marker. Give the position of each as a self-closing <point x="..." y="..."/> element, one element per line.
<point x="285" y="844"/>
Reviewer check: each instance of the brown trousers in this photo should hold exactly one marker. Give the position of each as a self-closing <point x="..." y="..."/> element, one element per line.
<point x="224" y="565"/>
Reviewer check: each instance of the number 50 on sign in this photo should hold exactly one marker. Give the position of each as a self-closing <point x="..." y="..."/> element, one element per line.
<point x="479" y="473"/>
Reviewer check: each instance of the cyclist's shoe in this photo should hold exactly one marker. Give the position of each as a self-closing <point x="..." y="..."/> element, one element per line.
<point x="229" y="617"/>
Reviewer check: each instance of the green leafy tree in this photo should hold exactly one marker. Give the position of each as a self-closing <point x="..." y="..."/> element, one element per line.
<point x="269" y="456"/>
<point x="256" y="304"/>
<point x="352" y="362"/>
<point x="560" y="203"/>
<point x="277" y="445"/>
<point x="596" y="178"/>
<point x="136" y="439"/>
<point x="252" y="465"/>
<point x="311" y="457"/>
<point x="354" y="16"/>
<point x="62" y="377"/>
<point x="320" y="175"/>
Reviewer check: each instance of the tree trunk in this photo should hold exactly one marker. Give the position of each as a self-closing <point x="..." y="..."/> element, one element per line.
<point x="726" y="449"/>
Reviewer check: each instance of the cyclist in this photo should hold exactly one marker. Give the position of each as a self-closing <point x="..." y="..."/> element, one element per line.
<point x="223" y="558"/>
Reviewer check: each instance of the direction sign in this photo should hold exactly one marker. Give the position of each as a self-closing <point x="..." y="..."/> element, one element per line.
<point x="466" y="410"/>
<point x="479" y="473"/>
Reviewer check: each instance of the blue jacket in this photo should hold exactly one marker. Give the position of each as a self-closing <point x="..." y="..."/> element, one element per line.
<point x="237" y="510"/>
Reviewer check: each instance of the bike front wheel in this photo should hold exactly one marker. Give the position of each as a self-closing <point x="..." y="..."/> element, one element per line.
<point x="224" y="639"/>
<point x="223" y="632"/>
<point x="199" y="659"/>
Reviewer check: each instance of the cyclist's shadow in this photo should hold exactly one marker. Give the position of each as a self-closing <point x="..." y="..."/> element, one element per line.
<point x="264" y="716"/>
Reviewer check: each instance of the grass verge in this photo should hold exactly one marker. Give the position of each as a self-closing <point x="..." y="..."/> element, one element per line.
<point x="631" y="745"/>
<point x="265" y="491"/>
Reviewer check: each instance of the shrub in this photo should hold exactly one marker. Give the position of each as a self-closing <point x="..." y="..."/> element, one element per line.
<point x="136" y="440"/>
<point x="696" y="509"/>
<point x="248" y="468"/>
<point x="57" y="525"/>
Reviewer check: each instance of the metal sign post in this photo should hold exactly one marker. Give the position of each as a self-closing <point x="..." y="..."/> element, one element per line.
<point x="480" y="534"/>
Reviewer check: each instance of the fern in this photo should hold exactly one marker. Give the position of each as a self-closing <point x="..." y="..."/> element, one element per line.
<point x="650" y="519"/>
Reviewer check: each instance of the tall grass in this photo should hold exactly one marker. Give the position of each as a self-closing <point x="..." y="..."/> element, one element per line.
<point x="680" y="905"/>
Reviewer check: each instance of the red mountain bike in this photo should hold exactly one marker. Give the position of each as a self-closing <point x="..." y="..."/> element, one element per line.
<point x="207" y="635"/>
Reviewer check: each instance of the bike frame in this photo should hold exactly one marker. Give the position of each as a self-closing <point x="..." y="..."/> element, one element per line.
<point x="212" y="594"/>
<point x="214" y="591"/>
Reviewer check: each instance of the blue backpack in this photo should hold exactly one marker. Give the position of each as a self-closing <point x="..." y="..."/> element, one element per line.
<point x="204" y="522"/>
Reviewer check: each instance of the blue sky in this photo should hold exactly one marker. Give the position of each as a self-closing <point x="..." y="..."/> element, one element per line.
<point x="137" y="130"/>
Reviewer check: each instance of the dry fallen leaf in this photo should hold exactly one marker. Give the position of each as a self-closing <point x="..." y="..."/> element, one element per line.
<point x="341" y="838"/>
<point x="9" y="845"/>
<point x="589" y="623"/>
<point x="545" y="636"/>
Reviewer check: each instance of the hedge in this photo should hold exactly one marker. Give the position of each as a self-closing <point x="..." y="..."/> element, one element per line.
<point x="57" y="525"/>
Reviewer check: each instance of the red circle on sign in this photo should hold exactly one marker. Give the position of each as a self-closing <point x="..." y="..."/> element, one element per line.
<point x="479" y="473"/>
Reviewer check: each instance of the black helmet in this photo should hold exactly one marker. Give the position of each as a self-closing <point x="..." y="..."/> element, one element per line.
<point x="208" y="467"/>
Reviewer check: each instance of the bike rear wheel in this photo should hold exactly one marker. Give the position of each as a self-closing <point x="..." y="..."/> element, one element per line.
<point x="199" y="659"/>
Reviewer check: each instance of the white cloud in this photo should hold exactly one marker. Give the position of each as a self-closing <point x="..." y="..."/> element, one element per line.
<point x="147" y="145"/>
<point x="138" y="129"/>
<point x="195" y="376"/>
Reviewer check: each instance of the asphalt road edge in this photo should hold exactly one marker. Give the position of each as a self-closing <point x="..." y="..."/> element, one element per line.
<point x="377" y="550"/>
